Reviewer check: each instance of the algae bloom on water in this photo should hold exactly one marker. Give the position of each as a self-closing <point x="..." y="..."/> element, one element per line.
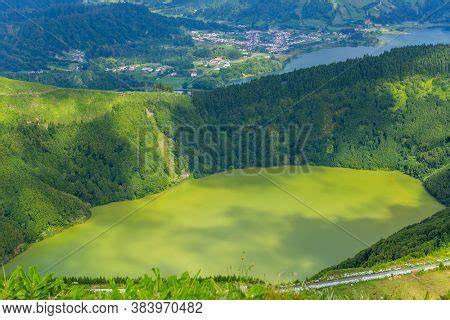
<point x="274" y="225"/>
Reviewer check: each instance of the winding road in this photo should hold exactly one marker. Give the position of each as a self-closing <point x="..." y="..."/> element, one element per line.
<point x="345" y="280"/>
<point x="368" y="277"/>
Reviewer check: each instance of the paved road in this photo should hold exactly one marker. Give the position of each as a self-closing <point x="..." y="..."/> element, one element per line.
<point x="347" y="280"/>
<point x="368" y="277"/>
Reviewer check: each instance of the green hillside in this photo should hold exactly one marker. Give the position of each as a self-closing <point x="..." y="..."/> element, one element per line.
<point x="49" y="35"/>
<point x="415" y="241"/>
<point x="386" y="112"/>
<point x="74" y="45"/>
<point x="136" y="45"/>
<point x="21" y="284"/>
<point x="64" y="150"/>
<point x="295" y="13"/>
<point x="438" y="183"/>
<point x="432" y="285"/>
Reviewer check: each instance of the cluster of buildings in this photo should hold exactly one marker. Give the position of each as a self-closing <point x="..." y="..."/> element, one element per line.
<point x="163" y="69"/>
<point x="218" y="63"/>
<point x="76" y="56"/>
<point x="129" y="68"/>
<point x="144" y="68"/>
<point x="270" y="41"/>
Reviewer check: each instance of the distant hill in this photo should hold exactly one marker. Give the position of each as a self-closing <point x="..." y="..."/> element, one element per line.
<point x="12" y="5"/>
<point x="313" y="13"/>
<point x="83" y="43"/>
<point x="41" y="34"/>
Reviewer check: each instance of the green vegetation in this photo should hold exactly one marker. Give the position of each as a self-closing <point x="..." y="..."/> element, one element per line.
<point x="97" y="31"/>
<point x="387" y="112"/>
<point x="305" y="13"/>
<point x="64" y="150"/>
<point x="114" y="44"/>
<point x="241" y="214"/>
<point x="415" y="241"/>
<point x="32" y="286"/>
<point x="432" y="285"/>
<point x="438" y="184"/>
<point x="246" y="68"/>
<point x="65" y="43"/>
<point x="433" y="257"/>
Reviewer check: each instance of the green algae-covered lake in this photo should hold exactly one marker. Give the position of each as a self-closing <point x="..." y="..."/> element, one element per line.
<point x="282" y="226"/>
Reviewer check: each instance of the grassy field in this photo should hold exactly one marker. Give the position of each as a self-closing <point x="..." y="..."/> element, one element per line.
<point x="46" y="104"/>
<point x="228" y="223"/>
<point x="437" y="256"/>
<point x="420" y="285"/>
<point x="21" y="285"/>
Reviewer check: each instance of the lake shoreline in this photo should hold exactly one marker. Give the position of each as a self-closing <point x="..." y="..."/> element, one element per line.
<point x="324" y="56"/>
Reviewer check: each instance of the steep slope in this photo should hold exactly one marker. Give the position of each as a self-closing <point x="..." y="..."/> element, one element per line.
<point x="48" y="34"/>
<point x="63" y="150"/>
<point x="386" y="112"/>
<point x="66" y="149"/>
<point x="314" y="13"/>
<point x="415" y="241"/>
<point x="438" y="183"/>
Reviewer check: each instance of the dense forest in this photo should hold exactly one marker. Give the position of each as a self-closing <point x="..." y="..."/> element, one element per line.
<point x="387" y="112"/>
<point x="414" y="241"/>
<point x="301" y="13"/>
<point x="43" y="35"/>
<point x="63" y="151"/>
